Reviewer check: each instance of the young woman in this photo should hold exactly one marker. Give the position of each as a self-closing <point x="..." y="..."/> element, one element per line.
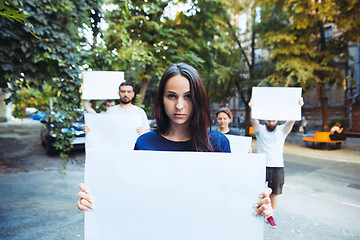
<point x="183" y="118"/>
<point x="224" y="118"/>
<point x="182" y="115"/>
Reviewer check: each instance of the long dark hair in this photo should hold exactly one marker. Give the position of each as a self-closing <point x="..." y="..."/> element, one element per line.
<point x="200" y="116"/>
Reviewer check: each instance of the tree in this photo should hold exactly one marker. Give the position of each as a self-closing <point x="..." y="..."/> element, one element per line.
<point x="240" y="69"/>
<point x="142" y="34"/>
<point x="302" y="53"/>
<point x="32" y="98"/>
<point x="46" y="48"/>
<point x="149" y="40"/>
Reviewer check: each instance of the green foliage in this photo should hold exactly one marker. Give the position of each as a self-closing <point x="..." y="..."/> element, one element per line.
<point x="13" y="15"/>
<point x="32" y="98"/>
<point x="45" y="49"/>
<point x="148" y="41"/>
<point x="9" y="11"/>
<point x="303" y="56"/>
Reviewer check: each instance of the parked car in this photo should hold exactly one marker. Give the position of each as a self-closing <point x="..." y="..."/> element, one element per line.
<point x="38" y="115"/>
<point x="48" y="136"/>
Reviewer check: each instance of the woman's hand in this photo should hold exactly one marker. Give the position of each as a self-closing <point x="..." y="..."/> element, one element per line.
<point x="263" y="207"/>
<point x="85" y="202"/>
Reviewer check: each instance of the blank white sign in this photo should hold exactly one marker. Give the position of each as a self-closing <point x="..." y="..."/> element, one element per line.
<point x="111" y="131"/>
<point x="173" y="195"/>
<point x="239" y="144"/>
<point x="101" y="84"/>
<point x="276" y="103"/>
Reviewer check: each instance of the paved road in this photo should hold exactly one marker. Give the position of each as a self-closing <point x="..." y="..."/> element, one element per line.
<point x="321" y="197"/>
<point x="320" y="200"/>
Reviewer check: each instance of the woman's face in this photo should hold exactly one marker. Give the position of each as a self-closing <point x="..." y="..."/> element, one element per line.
<point x="223" y="120"/>
<point x="177" y="100"/>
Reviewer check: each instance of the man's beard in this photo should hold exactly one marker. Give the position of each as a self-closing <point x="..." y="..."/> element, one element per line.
<point x="127" y="101"/>
<point x="270" y="128"/>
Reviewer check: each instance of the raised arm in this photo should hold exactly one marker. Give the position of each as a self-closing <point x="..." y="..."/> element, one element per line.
<point x="254" y="122"/>
<point x="290" y="124"/>
<point x="86" y="103"/>
<point x="87" y="106"/>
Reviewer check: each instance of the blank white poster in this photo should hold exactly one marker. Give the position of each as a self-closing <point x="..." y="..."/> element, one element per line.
<point x="111" y="131"/>
<point x="239" y="144"/>
<point x="101" y="84"/>
<point x="276" y="103"/>
<point x="173" y="195"/>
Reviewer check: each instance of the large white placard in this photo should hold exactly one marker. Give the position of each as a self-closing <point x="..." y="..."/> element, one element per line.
<point x="276" y="103"/>
<point x="111" y="131"/>
<point x="101" y="84"/>
<point x="239" y="144"/>
<point x="173" y="195"/>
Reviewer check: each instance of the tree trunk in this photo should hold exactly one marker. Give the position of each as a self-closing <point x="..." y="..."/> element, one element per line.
<point x="247" y="120"/>
<point x="144" y="84"/>
<point x="246" y="101"/>
<point x="324" y="108"/>
<point x="323" y="95"/>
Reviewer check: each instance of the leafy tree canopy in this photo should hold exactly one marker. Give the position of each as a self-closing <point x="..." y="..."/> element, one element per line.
<point x="304" y="57"/>
<point x="303" y="54"/>
<point x="46" y="49"/>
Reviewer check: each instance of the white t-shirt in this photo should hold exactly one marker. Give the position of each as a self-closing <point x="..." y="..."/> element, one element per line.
<point x="133" y="114"/>
<point x="272" y="144"/>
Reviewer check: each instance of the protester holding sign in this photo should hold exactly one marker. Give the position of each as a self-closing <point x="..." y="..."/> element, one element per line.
<point x="183" y="121"/>
<point x="126" y="108"/>
<point x="270" y="141"/>
<point x="182" y="115"/>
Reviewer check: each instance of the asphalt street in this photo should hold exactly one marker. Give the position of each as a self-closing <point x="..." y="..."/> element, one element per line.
<point x="321" y="198"/>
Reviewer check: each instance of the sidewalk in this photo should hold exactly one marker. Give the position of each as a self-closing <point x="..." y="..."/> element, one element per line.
<point x="349" y="151"/>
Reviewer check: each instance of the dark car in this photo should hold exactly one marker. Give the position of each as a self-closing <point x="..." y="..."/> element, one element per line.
<point x="48" y="136"/>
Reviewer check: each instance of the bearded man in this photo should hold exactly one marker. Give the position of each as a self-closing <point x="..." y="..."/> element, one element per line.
<point x="127" y="109"/>
<point x="270" y="141"/>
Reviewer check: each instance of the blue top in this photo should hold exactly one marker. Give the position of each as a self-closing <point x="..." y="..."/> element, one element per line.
<point x="155" y="142"/>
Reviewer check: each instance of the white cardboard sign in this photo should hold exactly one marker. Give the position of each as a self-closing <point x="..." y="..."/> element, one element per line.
<point x="101" y="84"/>
<point x="276" y="103"/>
<point x="173" y="195"/>
<point x="239" y="144"/>
<point x="111" y="131"/>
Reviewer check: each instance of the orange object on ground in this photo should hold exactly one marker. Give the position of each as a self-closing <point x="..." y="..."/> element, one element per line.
<point x="322" y="139"/>
<point x="251" y="130"/>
